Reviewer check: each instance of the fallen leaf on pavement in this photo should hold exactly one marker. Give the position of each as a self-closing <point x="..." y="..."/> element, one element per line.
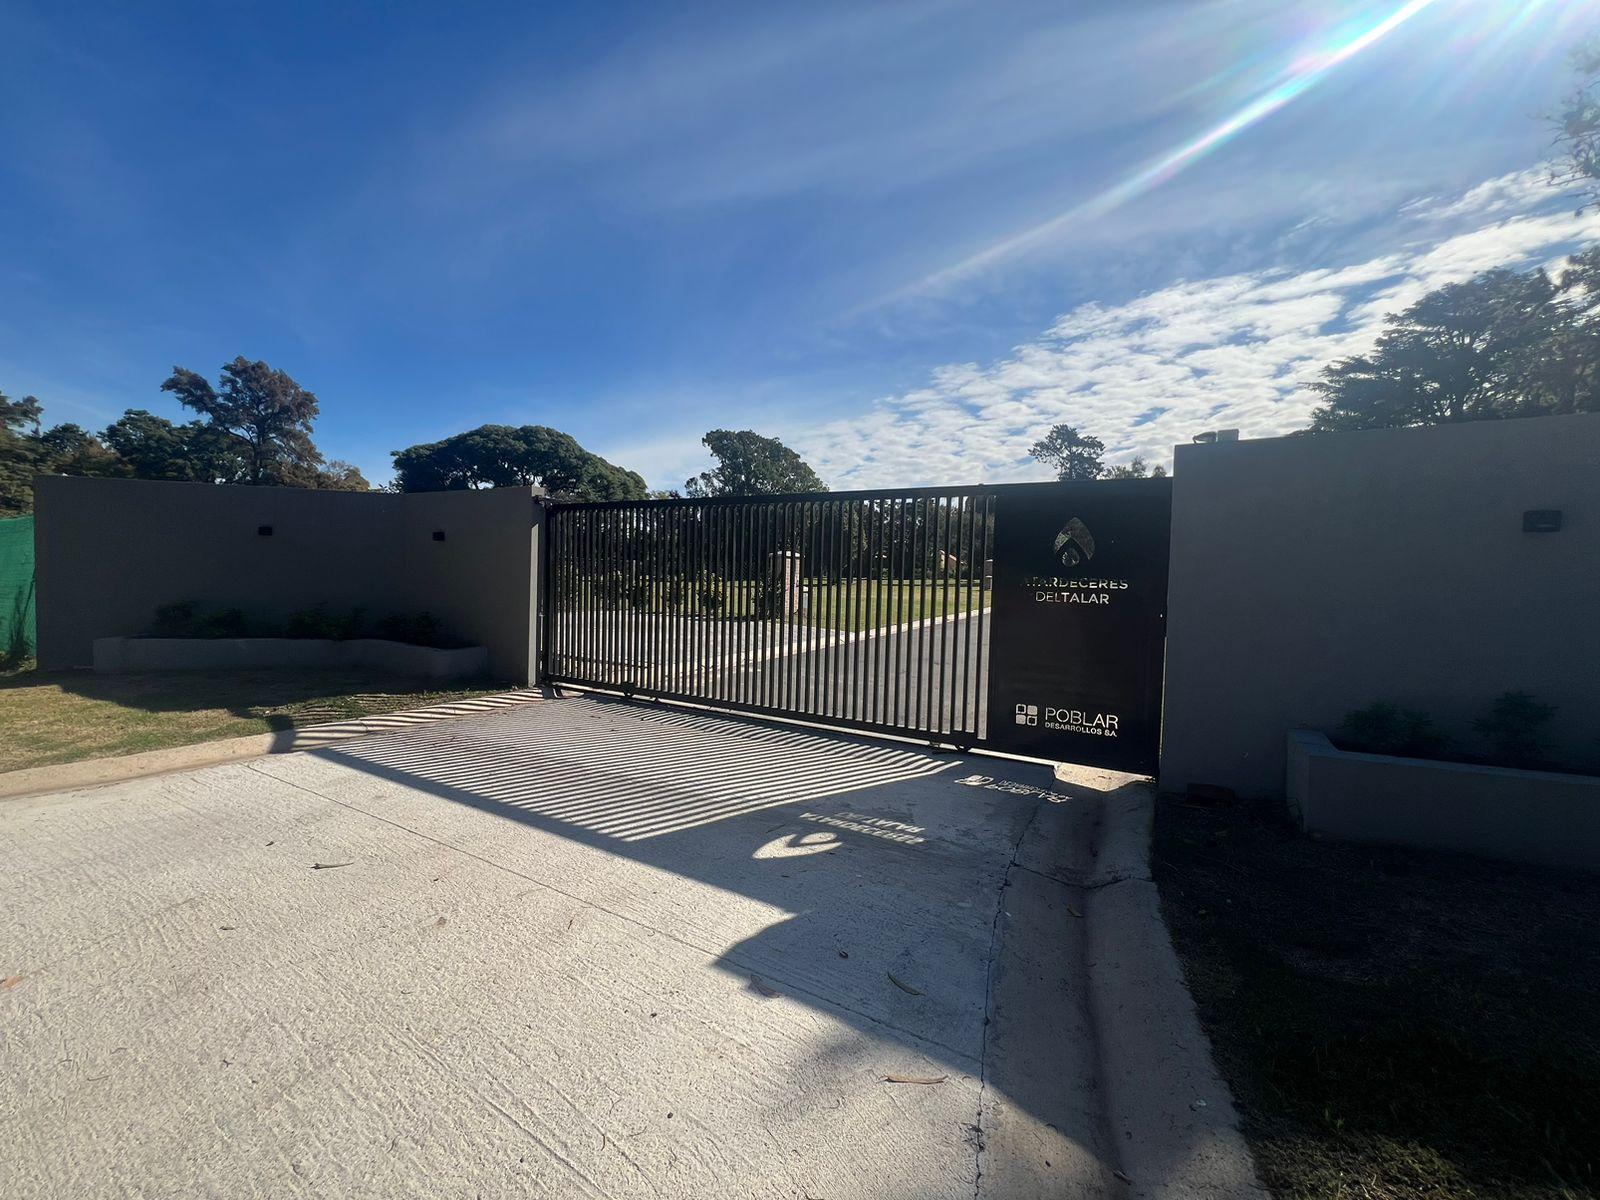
<point x="10" y="981"/>
<point x="329" y="866"/>
<point x="763" y="988"/>
<point x="923" y="1079"/>
<point x="1074" y="912"/>
<point x="903" y="986"/>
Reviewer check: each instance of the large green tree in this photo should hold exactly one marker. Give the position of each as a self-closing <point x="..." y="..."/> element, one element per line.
<point x="1069" y="453"/>
<point x="266" y="411"/>
<point x="1503" y="344"/>
<point x="751" y="465"/>
<point x="506" y="455"/>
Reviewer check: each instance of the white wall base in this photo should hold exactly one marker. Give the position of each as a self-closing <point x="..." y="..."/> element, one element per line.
<point x="1523" y="816"/>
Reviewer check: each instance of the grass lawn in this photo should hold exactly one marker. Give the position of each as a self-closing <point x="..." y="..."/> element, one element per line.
<point x="874" y="603"/>
<point x="1393" y="1023"/>
<point x="851" y="606"/>
<point x="71" y="715"/>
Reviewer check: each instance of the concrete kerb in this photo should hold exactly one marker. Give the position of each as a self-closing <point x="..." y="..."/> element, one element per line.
<point x="1171" y="1115"/>
<point x="94" y="772"/>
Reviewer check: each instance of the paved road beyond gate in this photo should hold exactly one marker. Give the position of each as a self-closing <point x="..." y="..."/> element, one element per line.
<point x="1021" y="618"/>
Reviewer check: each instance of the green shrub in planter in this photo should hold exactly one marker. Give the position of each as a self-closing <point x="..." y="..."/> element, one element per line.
<point x="1385" y="728"/>
<point x="318" y="622"/>
<point x="1514" y="727"/>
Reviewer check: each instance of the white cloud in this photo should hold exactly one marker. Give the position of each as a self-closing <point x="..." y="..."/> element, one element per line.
<point x="1233" y="351"/>
<point x="1516" y="192"/>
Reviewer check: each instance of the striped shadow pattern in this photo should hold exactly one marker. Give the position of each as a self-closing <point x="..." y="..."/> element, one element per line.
<point x="632" y="774"/>
<point x="315" y="737"/>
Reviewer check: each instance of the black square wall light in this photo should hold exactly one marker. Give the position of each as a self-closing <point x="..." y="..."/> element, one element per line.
<point x="263" y="530"/>
<point x="438" y="535"/>
<point x="1541" y="520"/>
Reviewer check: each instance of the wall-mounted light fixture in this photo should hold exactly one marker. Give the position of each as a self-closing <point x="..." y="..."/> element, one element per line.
<point x="438" y="535"/>
<point x="264" y="530"/>
<point x="1541" y="520"/>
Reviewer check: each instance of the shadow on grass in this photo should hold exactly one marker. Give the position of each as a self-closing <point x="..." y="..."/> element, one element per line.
<point x="1394" y="1023"/>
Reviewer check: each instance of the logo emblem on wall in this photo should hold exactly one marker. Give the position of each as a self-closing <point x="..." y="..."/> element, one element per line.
<point x="1074" y="544"/>
<point x="1027" y="714"/>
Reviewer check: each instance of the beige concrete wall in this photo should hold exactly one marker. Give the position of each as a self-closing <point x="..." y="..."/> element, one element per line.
<point x="1314" y="575"/>
<point x="111" y="551"/>
<point x="479" y="580"/>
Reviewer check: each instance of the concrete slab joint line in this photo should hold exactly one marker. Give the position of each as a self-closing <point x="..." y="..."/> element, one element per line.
<point x="1173" y="1124"/>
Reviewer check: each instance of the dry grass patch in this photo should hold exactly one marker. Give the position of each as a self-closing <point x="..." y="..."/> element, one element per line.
<point x="1394" y="1024"/>
<point x="72" y="715"/>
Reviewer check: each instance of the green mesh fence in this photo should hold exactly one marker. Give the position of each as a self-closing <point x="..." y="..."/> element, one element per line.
<point x="18" y="631"/>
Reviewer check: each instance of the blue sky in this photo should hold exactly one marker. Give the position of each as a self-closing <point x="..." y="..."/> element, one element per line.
<point x="905" y="237"/>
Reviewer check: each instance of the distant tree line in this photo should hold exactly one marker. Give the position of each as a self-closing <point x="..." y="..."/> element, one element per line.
<point x="255" y="427"/>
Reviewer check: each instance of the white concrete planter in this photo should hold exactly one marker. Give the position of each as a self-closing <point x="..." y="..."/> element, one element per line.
<point x="1498" y="812"/>
<point x="118" y="655"/>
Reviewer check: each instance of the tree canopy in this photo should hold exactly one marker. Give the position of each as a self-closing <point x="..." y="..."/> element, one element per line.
<point x="154" y="448"/>
<point x="1577" y="126"/>
<point x="19" y="428"/>
<point x="505" y="455"/>
<point x="1070" y="454"/>
<point x="1137" y="469"/>
<point x="1075" y="455"/>
<point x="1503" y="344"/>
<point x="751" y="465"/>
<point x="267" y="412"/>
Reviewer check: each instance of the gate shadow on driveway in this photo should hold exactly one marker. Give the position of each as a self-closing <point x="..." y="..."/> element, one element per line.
<point x="859" y="878"/>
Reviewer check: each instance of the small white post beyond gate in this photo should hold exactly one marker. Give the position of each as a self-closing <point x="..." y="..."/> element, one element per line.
<point x="782" y="592"/>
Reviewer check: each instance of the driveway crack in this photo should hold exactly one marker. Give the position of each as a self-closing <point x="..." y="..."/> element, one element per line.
<point x="988" y="997"/>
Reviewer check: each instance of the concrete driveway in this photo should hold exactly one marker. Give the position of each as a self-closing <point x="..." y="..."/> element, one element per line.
<point x="578" y="948"/>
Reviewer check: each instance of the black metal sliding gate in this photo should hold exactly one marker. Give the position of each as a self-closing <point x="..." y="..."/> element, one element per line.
<point x="1025" y="618"/>
<point x="867" y="610"/>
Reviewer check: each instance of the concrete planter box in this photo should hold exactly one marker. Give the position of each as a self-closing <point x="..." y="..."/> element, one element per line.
<point x="119" y="655"/>
<point x="1524" y="816"/>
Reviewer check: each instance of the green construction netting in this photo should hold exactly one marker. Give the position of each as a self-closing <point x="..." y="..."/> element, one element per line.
<point x="18" y="631"/>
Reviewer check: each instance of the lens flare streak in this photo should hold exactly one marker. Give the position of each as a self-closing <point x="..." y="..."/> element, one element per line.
<point x="1305" y="73"/>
